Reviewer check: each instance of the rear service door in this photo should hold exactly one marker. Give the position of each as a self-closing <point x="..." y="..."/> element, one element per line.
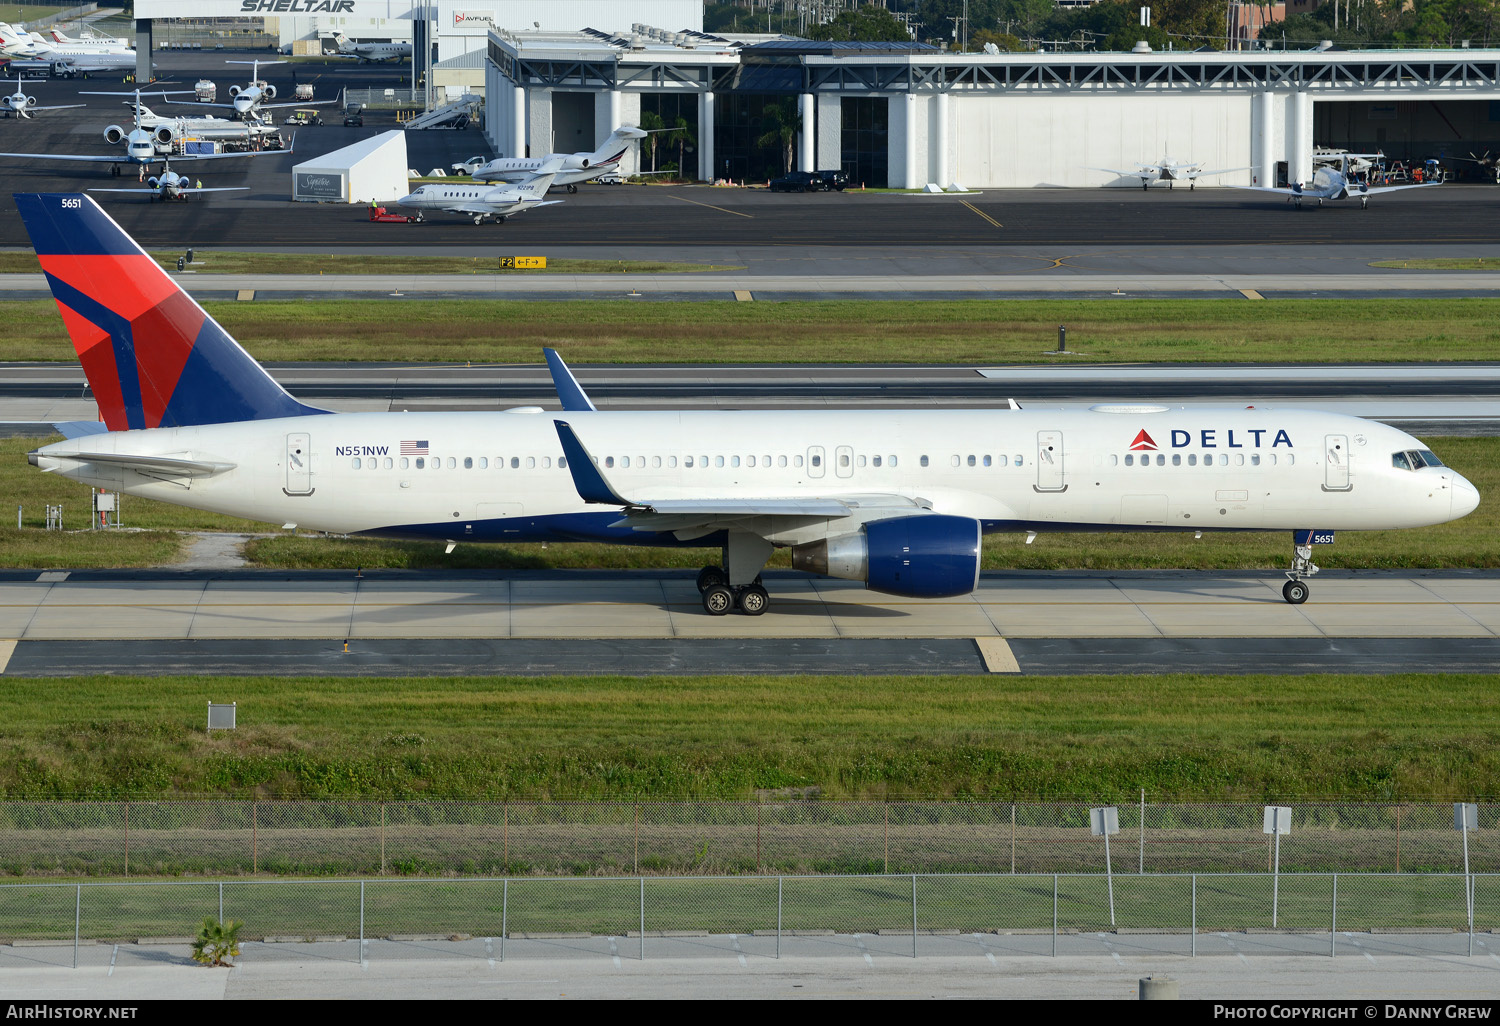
<point x="299" y="464"/>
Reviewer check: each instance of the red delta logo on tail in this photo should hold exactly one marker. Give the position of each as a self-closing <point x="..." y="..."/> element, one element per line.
<point x="152" y="356"/>
<point x="1142" y="441"/>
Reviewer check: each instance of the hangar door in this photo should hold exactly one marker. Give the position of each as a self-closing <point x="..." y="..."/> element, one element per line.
<point x="1412" y="131"/>
<point x="573" y="123"/>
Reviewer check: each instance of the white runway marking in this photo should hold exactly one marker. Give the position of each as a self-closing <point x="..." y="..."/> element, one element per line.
<point x="734" y="939"/>
<point x="112" y="955"/>
<point x="868" y="960"/>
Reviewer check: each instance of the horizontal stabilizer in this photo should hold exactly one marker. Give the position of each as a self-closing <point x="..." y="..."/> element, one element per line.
<point x="80" y="428"/>
<point x="154" y="466"/>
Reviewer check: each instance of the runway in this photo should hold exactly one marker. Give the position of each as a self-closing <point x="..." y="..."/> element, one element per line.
<point x="1436" y="399"/>
<point x="639" y="622"/>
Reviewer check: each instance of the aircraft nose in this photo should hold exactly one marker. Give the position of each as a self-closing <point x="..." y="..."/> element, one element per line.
<point x="408" y="200"/>
<point x="1465" y="497"/>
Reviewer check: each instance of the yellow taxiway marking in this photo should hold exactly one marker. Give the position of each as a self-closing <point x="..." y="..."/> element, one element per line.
<point x="1251" y="294"/>
<point x="982" y="214"/>
<point x="710" y="206"/>
<point x="7" y="649"/>
<point x="998" y="658"/>
<point x="742" y="296"/>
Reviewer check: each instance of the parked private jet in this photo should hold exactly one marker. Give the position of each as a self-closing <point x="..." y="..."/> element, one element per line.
<point x="169" y="185"/>
<point x="1169" y="171"/>
<point x="87" y="56"/>
<point x="23" y="106"/>
<point x="1335" y="183"/>
<point x="482" y="202"/>
<point x="575" y="168"/>
<point x="142" y="145"/>
<point x="371" y="52"/>
<point x="204" y="127"/>
<point x="897" y="499"/>
<point x="249" y="100"/>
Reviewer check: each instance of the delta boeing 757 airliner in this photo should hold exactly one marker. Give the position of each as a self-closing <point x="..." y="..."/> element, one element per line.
<point x="898" y="499"/>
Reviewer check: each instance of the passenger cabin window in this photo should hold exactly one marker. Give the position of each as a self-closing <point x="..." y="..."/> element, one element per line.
<point x="356" y="463"/>
<point x="562" y="461"/>
<point x="923" y="461"/>
<point x="468" y="463"/>
<point x="874" y="461"/>
<point x="816" y="461"/>
<point x="1177" y="459"/>
<point x="421" y="463"/>
<point x="1129" y="459"/>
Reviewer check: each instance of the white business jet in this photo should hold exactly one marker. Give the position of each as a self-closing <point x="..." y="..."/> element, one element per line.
<point x="897" y="499"/>
<point x="80" y="56"/>
<point x="1169" y="171"/>
<point x="248" y="101"/>
<point x="575" y="167"/>
<point x="1335" y="183"/>
<point x="23" y="106"/>
<point x="169" y="185"/>
<point x="371" y="52"/>
<point x="482" y="202"/>
<point x="143" y="146"/>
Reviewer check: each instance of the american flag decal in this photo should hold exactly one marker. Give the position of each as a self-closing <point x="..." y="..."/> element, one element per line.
<point x="414" y="448"/>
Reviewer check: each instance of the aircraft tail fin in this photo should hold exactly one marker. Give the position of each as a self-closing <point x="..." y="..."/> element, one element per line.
<point x="616" y="146"/>
<point x="153" y="357"/>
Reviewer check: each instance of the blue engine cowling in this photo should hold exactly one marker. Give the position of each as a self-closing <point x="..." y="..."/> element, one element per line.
<point x="930" y="556"/>
<point x="927" y="556"/>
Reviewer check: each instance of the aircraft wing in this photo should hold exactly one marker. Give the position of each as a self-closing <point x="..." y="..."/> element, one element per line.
<point x="117" y="159"/>
<point x="1219" y="171"/>
<point x="63" y="106"/>
<point x="698" y="516"/>
<point x="569" y="392"/>
<point x="1149" y="173"/>
<point x="221" y="156"/>
<point x="189" y="189"/>
<point x="1381" y="190"/>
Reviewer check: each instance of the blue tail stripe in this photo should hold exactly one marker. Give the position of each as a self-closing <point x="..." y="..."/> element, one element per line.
<point x="121" y="340"/>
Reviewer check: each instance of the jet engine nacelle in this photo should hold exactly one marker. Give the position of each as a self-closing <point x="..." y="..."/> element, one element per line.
<point x="31" y="101"/>
<point x="575" y="163"/>
<point x="114" y="134"/>
<point x="164" y="134"/>
<point x="270" y="92"/>
<point x="925" y="556"/>
<point x="154" y="182"/>
<point x="234" y="91"/>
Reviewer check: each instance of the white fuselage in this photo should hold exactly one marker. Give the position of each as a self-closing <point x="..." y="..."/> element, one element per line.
<point x="521" y="169"/>
<point x="491" y="200"/>
<point x="497" y="476"/>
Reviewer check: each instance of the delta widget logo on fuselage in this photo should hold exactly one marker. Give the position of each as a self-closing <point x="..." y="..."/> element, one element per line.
<point x="1208" y="438"/>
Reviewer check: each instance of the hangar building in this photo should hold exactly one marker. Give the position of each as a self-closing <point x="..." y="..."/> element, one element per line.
<point x="902" y="115"/>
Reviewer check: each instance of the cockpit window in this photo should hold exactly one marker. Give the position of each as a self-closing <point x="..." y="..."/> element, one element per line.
<point x="1414" y="459"/>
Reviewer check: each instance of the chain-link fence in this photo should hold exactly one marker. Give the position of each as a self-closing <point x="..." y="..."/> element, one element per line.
<point x="1158" y="912"/>
<point x="333" y="838"/>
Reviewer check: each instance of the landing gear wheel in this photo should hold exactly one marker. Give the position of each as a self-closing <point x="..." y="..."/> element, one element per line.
<point x="711" y="576"/>
<point x="479" y="220"/>
<point x="754" y="600"/>
<point x="1364" y="203"/>
<point x="572" y="188"/>
<point x="717" y="600"/>
<point x="1294" y="592"/>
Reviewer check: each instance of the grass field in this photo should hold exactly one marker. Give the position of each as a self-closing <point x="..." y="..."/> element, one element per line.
<point x="984" y="332"/>
<point x="613" y="907"/>
<point x="1471" y="542"/>
<point x="1409" y="737"/>
<point x="229" y="262"/>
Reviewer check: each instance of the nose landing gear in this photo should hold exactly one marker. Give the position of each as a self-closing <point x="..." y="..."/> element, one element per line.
<point x="1295" y="590"/>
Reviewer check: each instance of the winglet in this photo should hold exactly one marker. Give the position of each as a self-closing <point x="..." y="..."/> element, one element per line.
<point x="569" y="392"/>
<point x="587" y="479"/>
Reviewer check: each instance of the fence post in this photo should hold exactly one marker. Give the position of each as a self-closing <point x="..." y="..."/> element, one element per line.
<point x="1333" y="929"/>
<point x="1195" y="915"/>
<point x="127" y="838"/>
<point x="504" y="915"/>
<point x="643" y="919"/>
<point x="221" y="901"/>
<point x="254" y="838"/>
<point x="758" y="808"/>
<point x="914" y="915"/>
<point x="1054" y="915"/>
<point x="887" y="807"/>
<point x="382" y="838"/>
<point x="1142" y="868"/>
<point x="77" y="918"/>
<point x="637" y="856"/>
<point x="778" y="917"/>
<point x="1012" y="838"/>
<point x="1398" y="838"/>
<point x="361" y="916"/>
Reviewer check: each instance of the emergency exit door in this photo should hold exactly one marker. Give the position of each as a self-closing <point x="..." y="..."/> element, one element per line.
<point x="1336" y="463"/>
<point x="1049" y="462"/>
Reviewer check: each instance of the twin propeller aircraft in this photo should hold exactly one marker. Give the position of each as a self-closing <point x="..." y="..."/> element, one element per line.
<point x="898" y="499"/>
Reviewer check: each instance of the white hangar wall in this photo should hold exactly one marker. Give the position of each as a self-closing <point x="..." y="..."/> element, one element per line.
<point x="1025" y="141"/>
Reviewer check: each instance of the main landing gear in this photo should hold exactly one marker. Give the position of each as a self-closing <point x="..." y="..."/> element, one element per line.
<point x="719" y="597"/>
<point x="572" y="188"/>
<point x="1295" y="589"/>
